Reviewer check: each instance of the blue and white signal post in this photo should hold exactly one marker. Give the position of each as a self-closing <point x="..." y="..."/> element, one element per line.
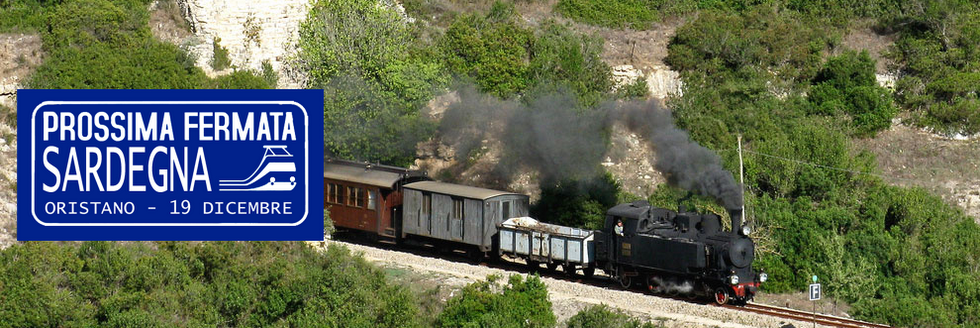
<point x="814" y="296"/>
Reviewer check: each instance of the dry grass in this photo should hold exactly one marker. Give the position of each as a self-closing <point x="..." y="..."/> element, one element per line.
<point x="167" y="23"/>
<point x="912" y="157"/>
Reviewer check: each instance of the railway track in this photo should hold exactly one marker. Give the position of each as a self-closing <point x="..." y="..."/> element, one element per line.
<point x="822" y="319"/>
<point x="603" y="282"/>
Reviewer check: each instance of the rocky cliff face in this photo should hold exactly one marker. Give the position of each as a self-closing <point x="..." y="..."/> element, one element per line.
<point x="252" y="31"/>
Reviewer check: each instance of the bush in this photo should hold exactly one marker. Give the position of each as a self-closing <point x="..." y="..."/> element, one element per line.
<point x="169" y="284"/>
<point x="105" y="44"/>
<point x="604" y="316"/>
<point x="24" y="15"/>
<point x="562" y="57"/>
<point x="781" y="44"/>
<point x="328" y="227"/>
<point x="363" y="124"/>
<point x="375" y="79"/>
<point x="635" y="14"/>
<point x="937" y="49"/>
<point x="577" y="203"/>
<point x="520" y="303"/>
<point x="847" y="85"/>
<point x="219" y="56"/>
<point x="492" y="49"/>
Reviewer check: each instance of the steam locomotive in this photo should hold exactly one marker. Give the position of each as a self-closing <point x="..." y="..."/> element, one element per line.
<point x="664" y="251"/>
<point x="679" y="252"/>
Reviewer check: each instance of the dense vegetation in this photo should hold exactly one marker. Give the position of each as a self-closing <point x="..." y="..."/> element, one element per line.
<point x="939" y="50"/>
<point x="815" y="197"/>
<point x="378" y="71"/>
<point x="604" y="316"/>
<point x="520" y="303"/>
<point x="107" y="44"/>
<point x="168" y="284"/>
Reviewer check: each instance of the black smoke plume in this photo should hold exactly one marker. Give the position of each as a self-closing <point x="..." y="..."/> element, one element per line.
<point x="686" y="164"/>
<point x="552" y="135"/>
<point x="548" y="134"/>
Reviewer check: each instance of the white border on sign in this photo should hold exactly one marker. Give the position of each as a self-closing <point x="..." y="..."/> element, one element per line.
<point x="306" y="124"/>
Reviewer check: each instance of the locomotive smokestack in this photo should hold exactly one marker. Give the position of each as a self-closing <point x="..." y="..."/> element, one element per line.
<point x="736" y="215"/>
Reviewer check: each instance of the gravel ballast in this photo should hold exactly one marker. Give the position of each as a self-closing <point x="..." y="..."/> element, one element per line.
<point x="568" y="297"/>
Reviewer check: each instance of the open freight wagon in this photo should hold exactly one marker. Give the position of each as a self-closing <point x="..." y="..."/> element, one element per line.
<point x="550" y="244"/>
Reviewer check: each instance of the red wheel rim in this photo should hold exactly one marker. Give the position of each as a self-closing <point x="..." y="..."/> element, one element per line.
<point x="721" y="297"/>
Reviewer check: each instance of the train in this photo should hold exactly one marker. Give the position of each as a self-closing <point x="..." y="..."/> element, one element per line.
<point x="677" y="253"/>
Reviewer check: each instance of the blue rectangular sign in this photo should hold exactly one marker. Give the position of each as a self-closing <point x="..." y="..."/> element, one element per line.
<point x="170" y="164"/>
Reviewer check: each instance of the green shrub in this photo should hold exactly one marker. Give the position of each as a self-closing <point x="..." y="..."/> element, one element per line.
<point x="635" y="14"/>
<point x="363" y="124"/>
<point x="219" y="56"/>
<point x="169" y="284"/>
<point x="519" y="303"/>
<point x="577" y="203"/>
<point x="269" y="74"/>
<point x="604" y="316"/>
<point x="374" y="79"/>
<point x="638" y="90"/>
<point x="492" y="49"/>
<point x="847" y="85"/>
<point x="561" y="56"/>
<point x="781" y="44"/>
<point x="937" y="52"/>
<point x="108" y="45"/>
<point x="24" y="15"/>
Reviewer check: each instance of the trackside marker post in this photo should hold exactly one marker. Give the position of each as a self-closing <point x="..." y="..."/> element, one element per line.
<point x="814" y="296"/>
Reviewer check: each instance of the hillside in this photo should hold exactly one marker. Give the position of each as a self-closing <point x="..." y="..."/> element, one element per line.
<point x="860" y="122"/>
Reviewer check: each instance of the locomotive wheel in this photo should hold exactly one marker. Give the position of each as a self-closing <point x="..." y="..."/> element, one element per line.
<point x="651" y="287"/>
<point x="588" y="272"/>
<point x="721" y="296"/>
<point x="625" y="281"/>
<point x="552" y="266"/>
<point x="569" y="269"/>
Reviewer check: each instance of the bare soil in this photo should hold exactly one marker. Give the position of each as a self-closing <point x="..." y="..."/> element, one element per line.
<point x="167" y="23"/>
<point x="20" y="54"/>
<point x="862" y="36"/>
<point x="911" y="157"/>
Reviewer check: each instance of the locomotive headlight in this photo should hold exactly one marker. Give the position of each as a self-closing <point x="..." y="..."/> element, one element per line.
<point x="733" y="279"/>
<point x="763" y="277"/>
<point x="746" y="230"/>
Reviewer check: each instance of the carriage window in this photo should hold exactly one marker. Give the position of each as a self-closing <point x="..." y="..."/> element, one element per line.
<point x="371" y="199"/>
<point x="457" y="208"/>
<point x="334" y="193"/>
<point x="340" y="193"/>
<point x="355" y="197"/>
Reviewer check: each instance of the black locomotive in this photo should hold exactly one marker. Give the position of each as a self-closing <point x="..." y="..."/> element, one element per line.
<point x="678" y="252"/>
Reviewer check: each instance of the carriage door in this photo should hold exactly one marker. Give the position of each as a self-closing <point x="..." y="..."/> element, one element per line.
<point x="456" y="220"/>
<point x="425" y="215"/>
